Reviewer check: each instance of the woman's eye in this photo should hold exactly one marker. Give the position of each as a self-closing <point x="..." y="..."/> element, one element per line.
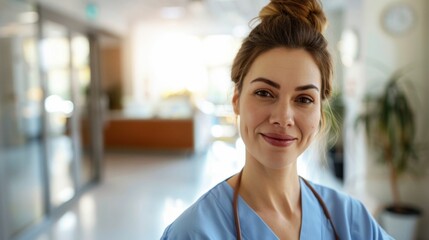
<point x="263" y="93"/>
<point x="305" y="100"/>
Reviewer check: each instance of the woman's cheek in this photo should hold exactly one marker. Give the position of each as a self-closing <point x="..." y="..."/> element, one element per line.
<point x="248" y="123"/>
<point x="313" y="123"/>
<point x="252" y="114"/>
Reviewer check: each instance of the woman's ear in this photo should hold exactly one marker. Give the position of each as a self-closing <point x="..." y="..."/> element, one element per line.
<point x="236" y="102"/>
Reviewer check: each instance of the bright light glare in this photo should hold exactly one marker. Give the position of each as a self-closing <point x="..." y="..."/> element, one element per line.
<point x="55" y="104"/>
<point x="65" y="194"/>
<point x="87" y="212"/>
<point x="67" y="222"/>
<point x="226" y="131"/>
<point x="55" y="53"/>
<point x="169" y="57"/>
<point x="206" y="107"/>
<point x="176" y="64"/>
<point x="349" y="47"/>
<point x="80" y="46"/>
<point x="219" y="49"/>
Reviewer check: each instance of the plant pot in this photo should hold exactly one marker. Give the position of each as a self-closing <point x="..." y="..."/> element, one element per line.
<point x="401" y="221"/>
<point x="336" y="158"/>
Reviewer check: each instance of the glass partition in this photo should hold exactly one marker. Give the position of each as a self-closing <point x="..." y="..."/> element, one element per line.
<point x="21" y="143"/>
<point x="82" y="77"/>
<point x="50" y="115"/>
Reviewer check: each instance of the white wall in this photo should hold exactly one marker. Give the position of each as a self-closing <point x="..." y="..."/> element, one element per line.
<point x="364" y="177"/>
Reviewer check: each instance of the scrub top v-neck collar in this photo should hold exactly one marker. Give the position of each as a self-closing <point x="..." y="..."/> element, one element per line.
<point x="314" y="224"/>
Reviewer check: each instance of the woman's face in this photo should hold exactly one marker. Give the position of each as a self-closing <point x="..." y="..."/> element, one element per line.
<point x="279" y="106"/>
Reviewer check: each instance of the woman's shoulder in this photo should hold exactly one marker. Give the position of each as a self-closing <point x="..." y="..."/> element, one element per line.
<point x="350" y="215"/>
<point x="340" y="203"/>
<point x="204" y="218"/>
<point x="334" y="195"/>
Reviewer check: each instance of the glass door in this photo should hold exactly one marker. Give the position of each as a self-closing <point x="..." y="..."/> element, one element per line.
<point x="60" y="108"/>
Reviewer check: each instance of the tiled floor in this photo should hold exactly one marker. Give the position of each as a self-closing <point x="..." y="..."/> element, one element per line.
<point x="143" y="192"/>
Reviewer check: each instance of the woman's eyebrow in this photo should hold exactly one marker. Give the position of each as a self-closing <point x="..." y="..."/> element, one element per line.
<point x="306" y="87"/>
<point x="267" y="81"/>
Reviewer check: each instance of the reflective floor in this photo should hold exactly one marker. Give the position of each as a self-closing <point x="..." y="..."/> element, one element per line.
<point x="143" y="192"/>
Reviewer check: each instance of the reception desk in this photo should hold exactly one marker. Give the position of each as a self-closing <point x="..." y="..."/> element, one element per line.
<point x="124" y="132"/>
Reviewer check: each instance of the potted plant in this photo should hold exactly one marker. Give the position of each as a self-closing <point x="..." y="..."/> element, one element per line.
<point x="390" y="129"/>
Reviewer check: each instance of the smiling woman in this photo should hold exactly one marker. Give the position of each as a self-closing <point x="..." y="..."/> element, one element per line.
<point x="282" y="76"/>
<point x="279" y="106"/>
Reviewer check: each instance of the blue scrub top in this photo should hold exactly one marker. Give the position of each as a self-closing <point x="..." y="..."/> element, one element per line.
<point x="211" y="217"/>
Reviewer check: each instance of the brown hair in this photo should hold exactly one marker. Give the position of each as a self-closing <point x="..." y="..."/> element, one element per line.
<point x="290" y="24"/>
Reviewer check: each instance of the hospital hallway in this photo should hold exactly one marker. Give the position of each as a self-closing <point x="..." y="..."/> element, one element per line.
<point x="142" y="192"/>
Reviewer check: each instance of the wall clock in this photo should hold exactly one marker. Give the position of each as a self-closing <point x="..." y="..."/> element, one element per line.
<point x="398" y="18"/>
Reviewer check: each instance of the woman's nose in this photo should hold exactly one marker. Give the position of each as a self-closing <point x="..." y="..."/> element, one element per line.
<point x="282" y="115"/>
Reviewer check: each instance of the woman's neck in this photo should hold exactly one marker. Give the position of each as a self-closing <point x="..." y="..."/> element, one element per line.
<point x="276" y="190"/>
<point x="267" y="189"/>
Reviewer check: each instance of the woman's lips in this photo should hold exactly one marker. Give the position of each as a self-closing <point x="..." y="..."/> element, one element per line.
<point x="278" y="140"/>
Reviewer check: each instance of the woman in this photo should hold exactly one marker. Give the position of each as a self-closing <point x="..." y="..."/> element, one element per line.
<point x="282" y="75"/>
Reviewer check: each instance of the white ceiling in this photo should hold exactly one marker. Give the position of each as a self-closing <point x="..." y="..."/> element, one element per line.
<point x="119" y="15"/>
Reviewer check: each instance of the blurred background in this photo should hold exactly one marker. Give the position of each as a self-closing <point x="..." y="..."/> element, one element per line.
<point x="115" y="116"/>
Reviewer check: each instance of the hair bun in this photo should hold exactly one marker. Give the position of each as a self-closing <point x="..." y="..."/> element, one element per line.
<point x="308" y="11"/>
